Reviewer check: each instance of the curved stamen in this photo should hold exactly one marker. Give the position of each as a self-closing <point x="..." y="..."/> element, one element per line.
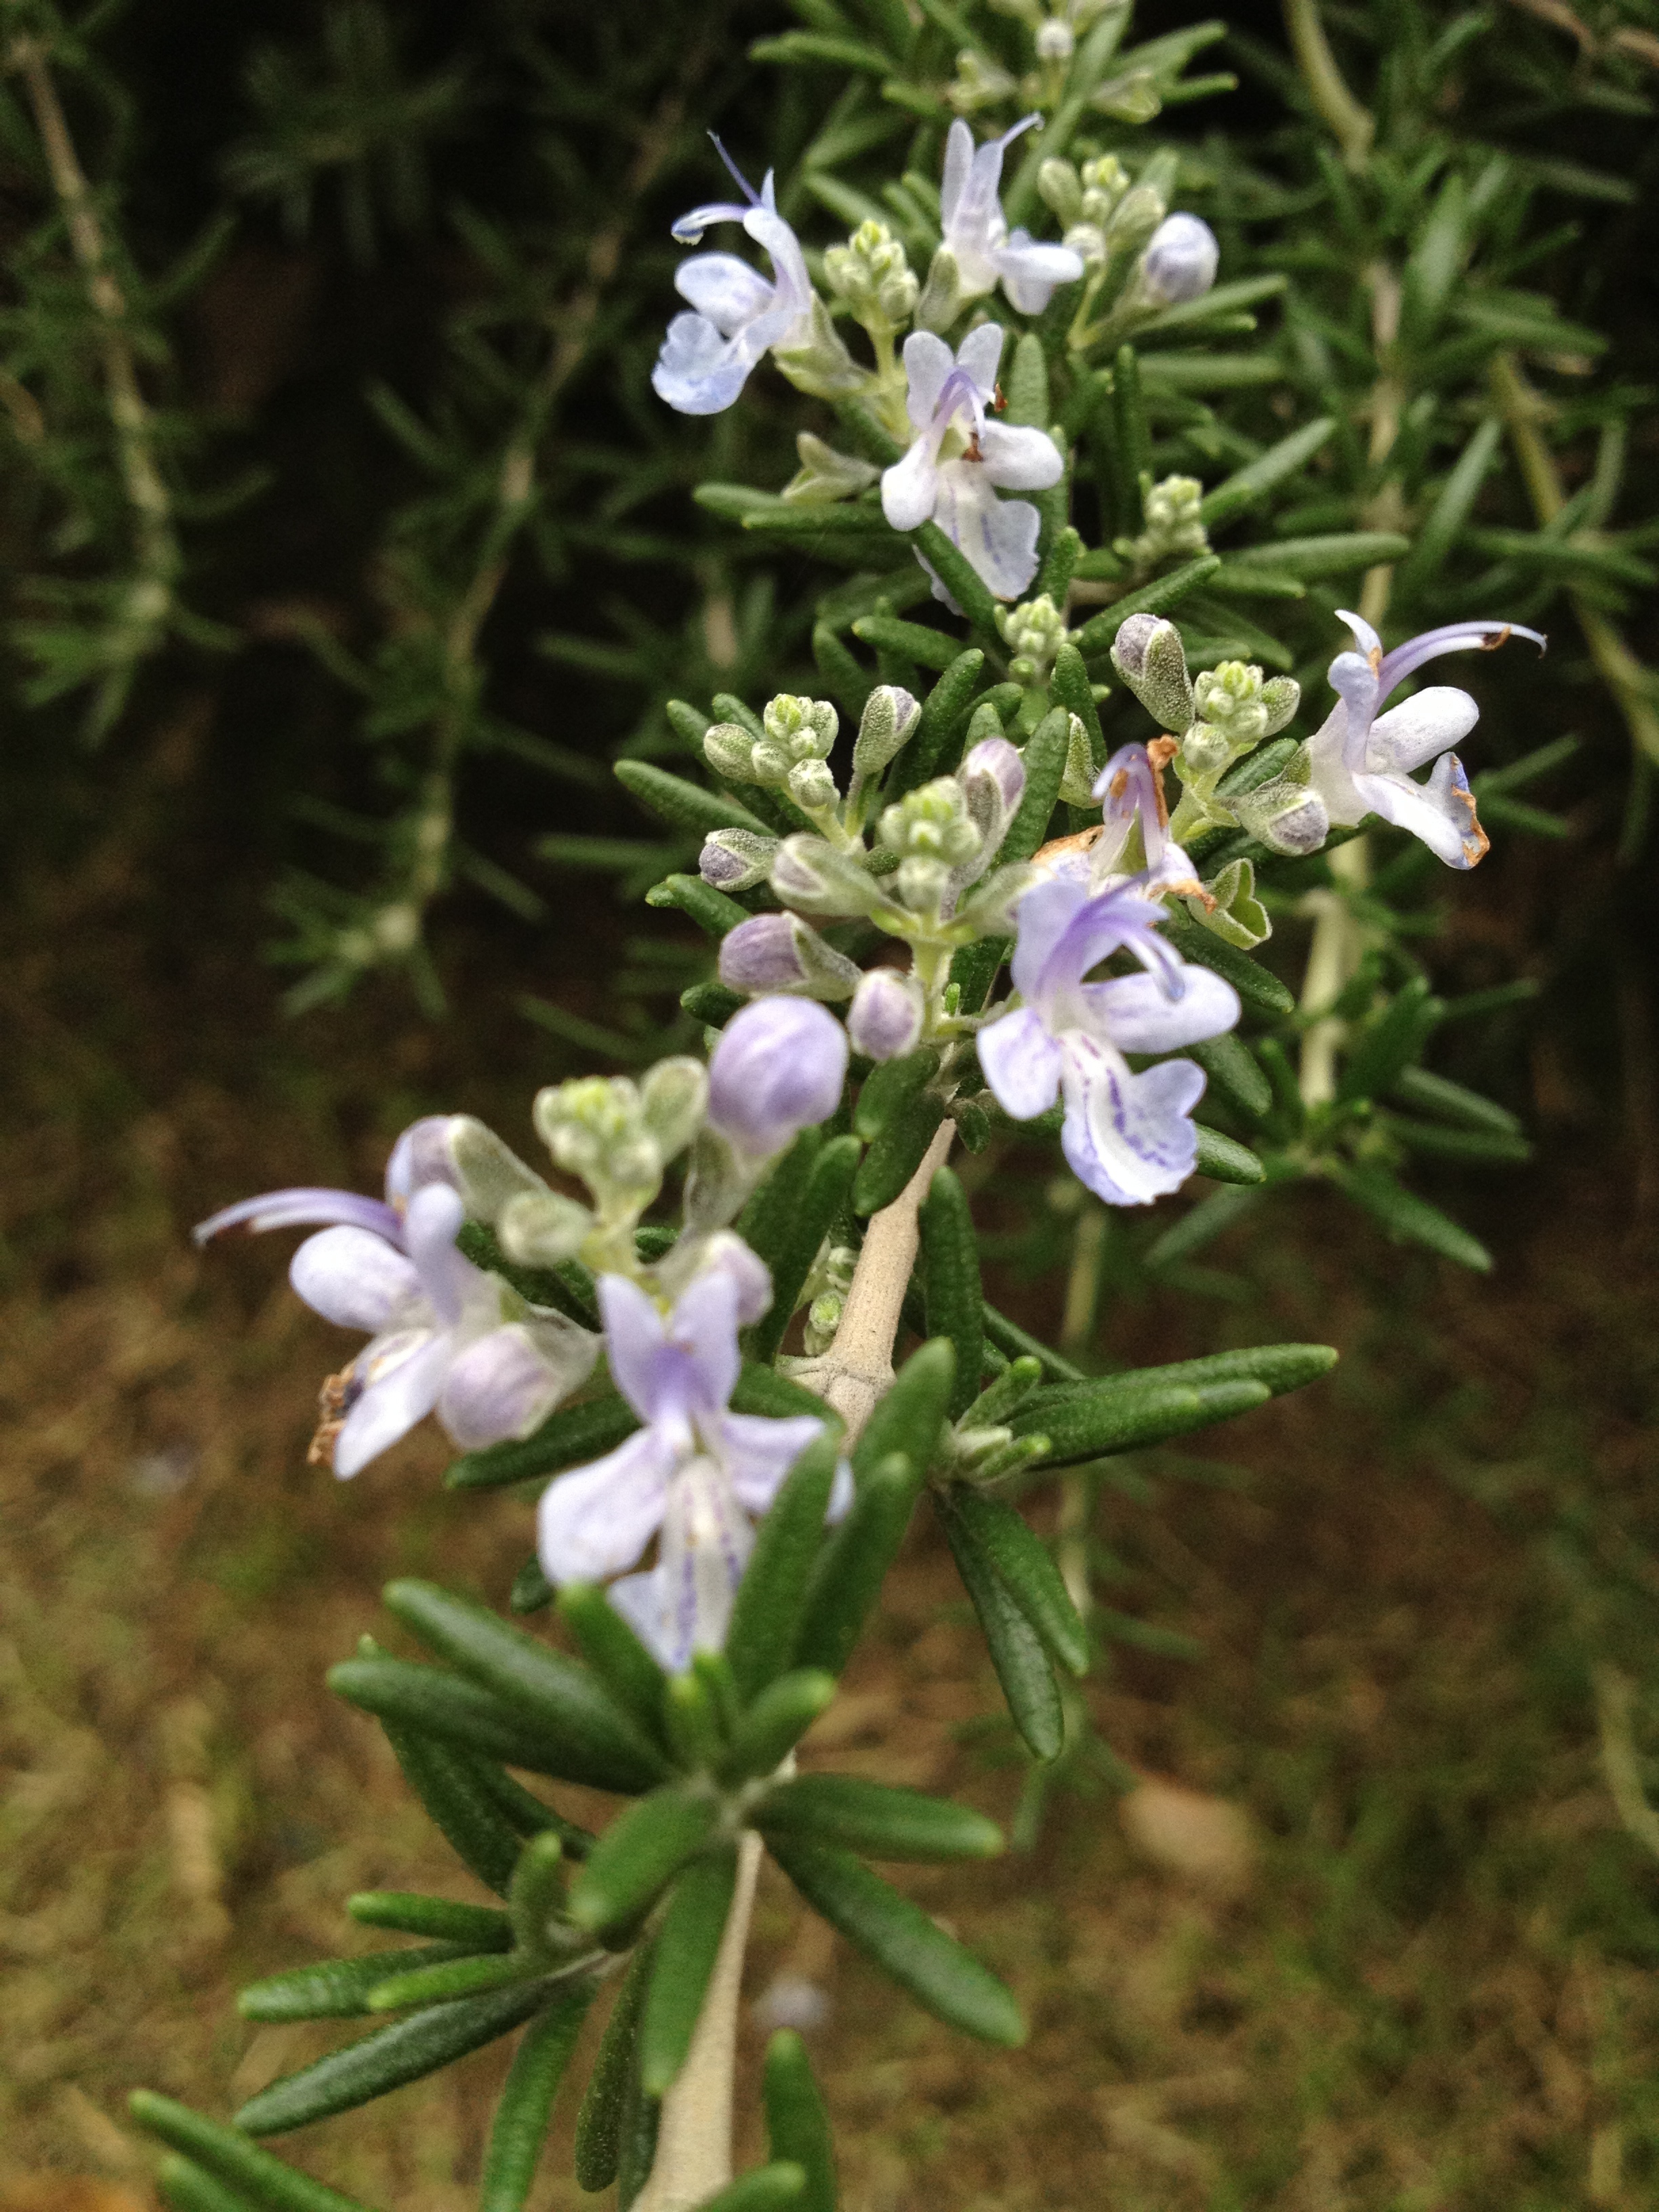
<point x="738" y="177"/>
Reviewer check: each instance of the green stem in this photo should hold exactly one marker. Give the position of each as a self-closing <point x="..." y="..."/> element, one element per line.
<point x="1353" y="126"/>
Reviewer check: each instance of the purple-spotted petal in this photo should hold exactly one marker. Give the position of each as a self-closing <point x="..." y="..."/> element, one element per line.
<point x="354" y="1278"/>
<point x="927" y="362"/>
<point x="1129" y="1137"/>
<point x="1441" y="812"/>
<point x="1030" y="272"/>
<point x="1021" y="1062"/>
<point x="500" y="1386"/>
<point x="401" y="1379"/>
<point x="302" y="1208"/>
<point x="706" y="1544"/>
<point x="597" y="1520"/>
<point x="1137" y="1014"/>
<point x="997" y="536"/>
<point x="757" y="1452"/>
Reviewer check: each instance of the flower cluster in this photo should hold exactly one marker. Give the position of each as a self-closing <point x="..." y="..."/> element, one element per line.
<point x="938" y="401"/>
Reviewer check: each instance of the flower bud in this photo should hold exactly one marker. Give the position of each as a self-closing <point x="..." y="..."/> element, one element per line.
<point x="992" y="779"/>
<point x="805" y="728"/>
<point x="873" y="275"/>
<point x="812" y="787"/>
<point x="778" y="1069"/>
<point x="1175" y="522"/>
<point x="1149" y="656"/>
<point x="729" y="751"/>
<point x="1286" y="815"/>
<point x="941" y="295"/>
<point x="933" y="823"/>
<point x="1204" y="751"/>
<point x="671" y="1098"/>
<point x="537" y="1228"/>
<point x="824" y="474"/>
<point x="1054" y="41"/>
<point x="885" y="1021"/>
<point x="1034" y="631"/>
<point x="1181" y="261"/>
<point x="735" y="859"/>
<point x="1060" y="188"/>
<point x="779" y="953"/>
<point x="990" y="911"/>
<point x="814" y="876"/>
<point x="595" y="1128"/>
<point x="888" y="723"/>
<point x="1077" y="783"/>
<point x="1105" y="181"/>
<point x="1135" y="219"/>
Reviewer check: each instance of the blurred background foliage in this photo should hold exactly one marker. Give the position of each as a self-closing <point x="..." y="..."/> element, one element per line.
<point x="344" y="550"/>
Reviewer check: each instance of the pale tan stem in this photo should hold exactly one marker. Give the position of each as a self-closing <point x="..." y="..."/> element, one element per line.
<point x="1353" y="126"/>
<point x="857" y="1368"/>
<point x="1386" y="509"/>
<point x="1077" y="1491"/>
<point x="147" y="494"/>
<point x="1333" y="957"/>
<point x="694" y="2132"/>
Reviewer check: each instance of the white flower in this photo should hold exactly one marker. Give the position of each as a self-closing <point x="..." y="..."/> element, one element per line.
<point x="737" y="316"/>
<point x="960" y="459"/>
<point x="1361" y="760"/>
<point x="976" y="231"/>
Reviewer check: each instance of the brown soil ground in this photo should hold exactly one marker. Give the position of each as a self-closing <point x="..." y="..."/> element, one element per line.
<point x="1370" y="1933"/>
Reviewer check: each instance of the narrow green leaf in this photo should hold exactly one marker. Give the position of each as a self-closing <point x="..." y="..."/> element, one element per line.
<point x="447" y="1780"/>
<point x="432" y="1702"/>
<point x="797" y="2125"/>
<point x="1072" y="689"/>
<point x="877" y="1821"/>
<point x="1016" y="1343"/>
<point x="687" y="806"/>
<point x="1024" y="1564"/>
<point x="852" y="1565"/>
<point x="1387" y="1045"/>
<point x="1045" y="765"/>
<point x="549" y="1691"/>
<point x="889" y="1088"/>
<point x="615" y="1654"/>
<point x="1412" y="1220"/>
<point x="895" y="1156"/>
<point x="959" y="575"/>
<point x="766" y="1614"/>
<point x="928" y="649"/>
<point x="1227" y="1160"/>
<point x="531" y="1589"/>
<point x="777" y="1720"/>
<point x="228" y="2157"/>
<point x="1484" y="1147"/>
<point x="1154" y="598"/>
<point x="1242" y="491"/>
<point x="687" y="1946"/>
<point x="571" y="1436"/>
<point x="386" y="2060"/>
<point x="767" y="2189"/>
<point x="335" y="1989"/>
<point x="950" y="1249"/>
<point x="443" y="1919"/>
<point x="1339" y="554"/>
<point x="1106" y="1420"/>
<point x="712" y="1003"/>
<point x="598" y="2124"/>
<point x="1255" y="985"/>
<point x="819" y="1207"/>
<point x="907" y="1417"/>
<point x="520" y="2127"/>
<point x="638" y="1855"/>
<point x="764" y="1221"/>
<point x="763" y="1390"/>
<point x="1017" y="1653"/>
<point x="941" y="714"/>
<point x="713" y="913"/>
<point x="1027" y="388"/>
<point x="903" y="1941"/>
<point x="1437" y="1094"/>
<point x="1235" y="1078"/>
<point x="441" y="1982"/>
<point x="185" y="2188"/>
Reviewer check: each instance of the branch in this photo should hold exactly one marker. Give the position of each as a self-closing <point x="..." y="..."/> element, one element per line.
<point x="1353" y="126"/>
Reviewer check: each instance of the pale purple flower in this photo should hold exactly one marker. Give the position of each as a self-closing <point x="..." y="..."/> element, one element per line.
<point x="960" y="458"/>
<point x="1130" y="1138"/>
<point x="976" y="231"/>
<point x="421" y="1154"/>
<point x="1361" y="761"/>
<point x="1132" y="788"/>
<point x="1181" y="260"/>
<point x="885" y="1019"/>
<point x="737" y="315"/>
<point x="778" y="1069"/>
<point x="446" y="1336"/>
<point x="695" y="1475"/>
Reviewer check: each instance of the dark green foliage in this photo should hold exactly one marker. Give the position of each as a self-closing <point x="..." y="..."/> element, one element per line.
<point x="1225" y="1160"/>
<point x="1023" y="1563"/>
<point x="797" y="2125"/>
<point x="615" y="1654"/>
<point x="230" y="2157"/>
<point x="336" y="1988"/>
<point x="949" y="1250"/>
<point x="446" y="1778"/>
<point x="638" y="1855"/>
<point x="903" y="1941"/>
<point x="1016" y="1651"/>
<point x="896" y="1151"/>
<point x="767" y="2189"/>
<point x="520" y="2127"/>
<point x="478" y="1926"/>
<point x="771" y="1600"/>
<point x="683" y="1960"/>
<point x="880" y="1822"/>
<point x="569" y="1438"/>
<point x="909" y="1417"/>
<point x="360" y="2071"/>
<point x="854" y="1562"/>
<point x="816" y="1209"/>
<point x="599" y="2124"/>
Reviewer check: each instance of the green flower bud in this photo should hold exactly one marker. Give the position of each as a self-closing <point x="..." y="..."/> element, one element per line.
<point x="871" y="272"/>
<point x="1104" y="182"/>
<point x="1204" y="751"/>
<point x="1173" y="523"/>
<point x="1134" y="219"/>
<point x="825" y="475"/>
<point x="729" y="751"/>
<point x="805" y="728"/>
<point x="888" y="723"/>
<point x="941" y="296"/>
<point x="1035" y="631"/>
<point x="812" y="875"/>
<point x="1149" y="656"/>
<point x="812" y="787"/>
<point x="932" y="823"/>
<point x="537" y="1228"/>
<point x="1060" y="188"/>
<point x="1077" y="783"/>
<point x="671" y="1099"/>
<point x="595" y="1127"/>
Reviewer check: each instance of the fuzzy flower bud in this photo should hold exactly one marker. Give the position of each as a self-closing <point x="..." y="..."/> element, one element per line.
<point x="812" y="787"/>
<point x="778" y="1069"/>
<point x="993" y="781"/>
<point x="1233" y="698"/>
<point x="729" y="751"/>
<point x="1054" y="41"/>
<point x="595" y="1127"/>
<point x="1135" y="220"/>
<point x="873" y="275"/>
<point x="1060" y="188"/>
<point x="735" y="859"/>
<point x="812" y="875"/>
<point x="1181" y="261"/>
<point x="779" y="952"/>
<point x="1034" y="632"/>
<point x="1175" y="524"/>
<point x="932" y="823"/>
<point x="888" y="723"/>
<point x="1149" y="656"/>
<point x="885" y="1021"/>
<point x="1285" y="815"/>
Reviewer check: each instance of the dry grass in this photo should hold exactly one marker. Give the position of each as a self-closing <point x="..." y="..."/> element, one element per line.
<point x="1410" y="1968"/>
